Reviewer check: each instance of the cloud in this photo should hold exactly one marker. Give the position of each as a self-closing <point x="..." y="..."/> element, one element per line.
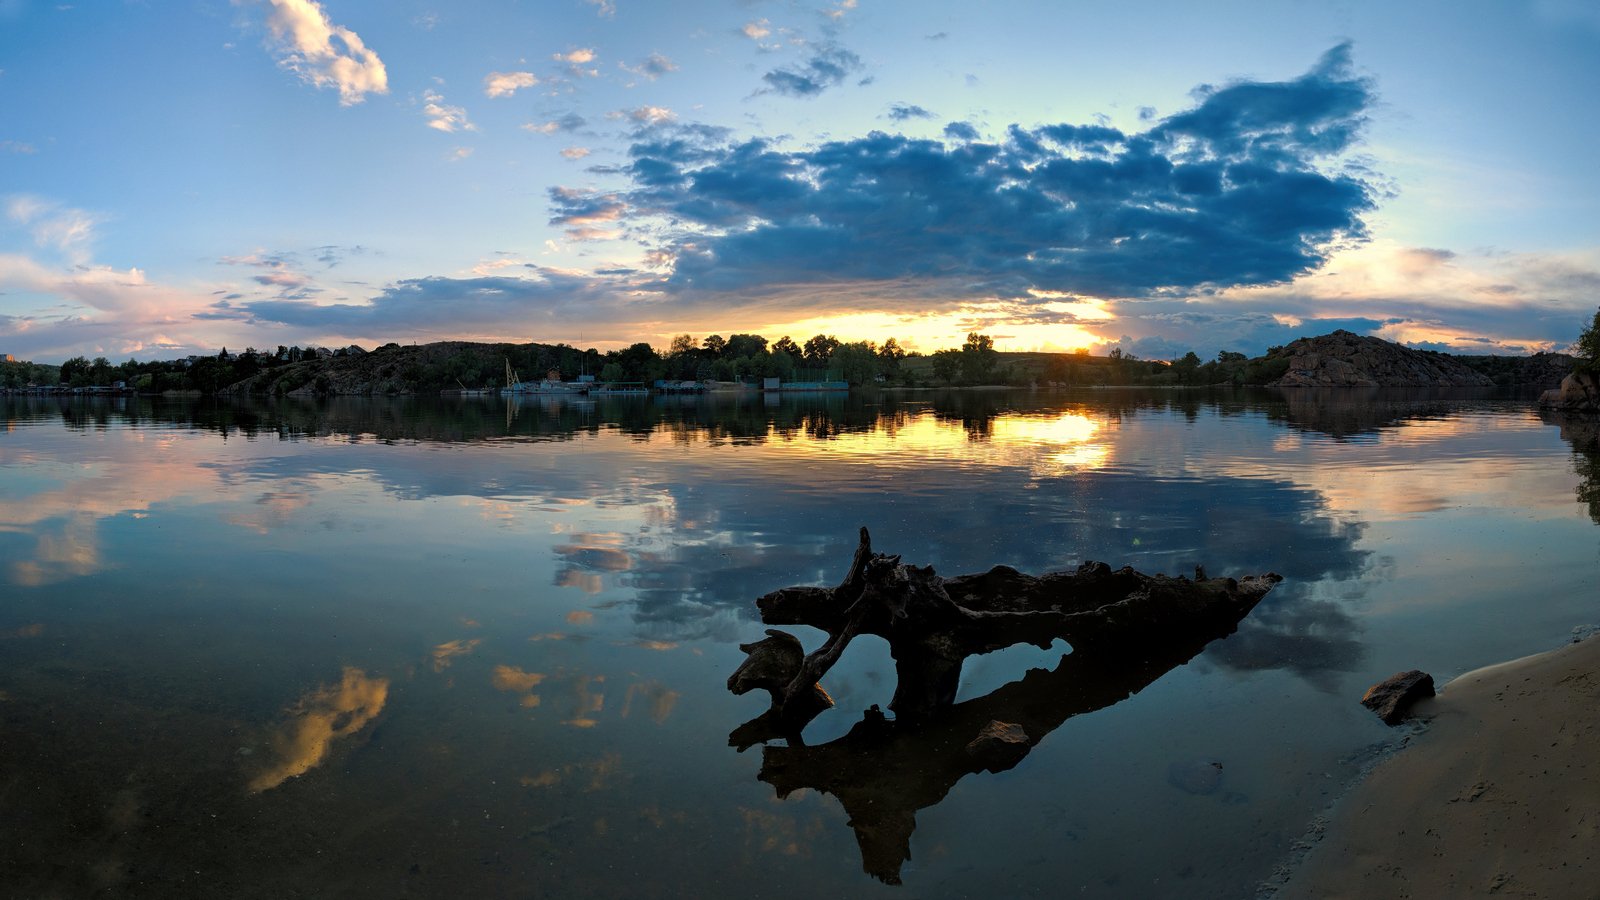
<point x="68" y="230"/>
<point x="756" y="30"/>
<point x="488" y="305"/>
<point x="830" y="65"/>
<point x="960" y="131"/>
<point x="838" y="11"/>
<point x="18" y="147"/>
<point x="577" y="60"/>
<point x="568" y="122"/>
<point x="459" y="153"/>
<point x="648" y="115"/>
<point x="442" y="116"/>
<point x="1244" y="189"/>
<point x="577" y="56"/>
<point x="903" y="111"/>
<point x="603" y="8"/>
<point x="324" y="54"/>
<point x="575" y="152"/>
<point x="652" y="67"/>
<point x="504" y="84"/>
<point x="586" y="215"/>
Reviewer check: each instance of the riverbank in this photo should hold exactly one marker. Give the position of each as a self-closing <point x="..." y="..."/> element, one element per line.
<point x="1499" y="796"/>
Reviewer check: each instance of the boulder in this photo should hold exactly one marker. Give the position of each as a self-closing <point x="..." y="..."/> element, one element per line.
<point x="1579" y="393"/>
<point x="1392" y="697"/>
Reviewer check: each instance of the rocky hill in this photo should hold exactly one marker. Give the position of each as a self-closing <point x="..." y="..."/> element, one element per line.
<point x="1345" y="359"/>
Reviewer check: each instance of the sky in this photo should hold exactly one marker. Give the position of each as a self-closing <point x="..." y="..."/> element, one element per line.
<point x="180" y="176"/>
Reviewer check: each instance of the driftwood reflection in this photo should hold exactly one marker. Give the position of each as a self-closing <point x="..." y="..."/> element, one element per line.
<point x="1127" y="630"/>
<point x="883" y="771"/>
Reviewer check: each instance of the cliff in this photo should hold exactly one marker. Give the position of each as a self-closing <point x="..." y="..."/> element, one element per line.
<point x="1345" y="359"/>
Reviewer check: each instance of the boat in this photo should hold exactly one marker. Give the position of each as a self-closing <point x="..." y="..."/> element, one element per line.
<point x="550" y="384"/>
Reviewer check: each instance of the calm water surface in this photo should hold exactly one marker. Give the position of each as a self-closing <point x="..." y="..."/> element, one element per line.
<point x="441" y="649"/>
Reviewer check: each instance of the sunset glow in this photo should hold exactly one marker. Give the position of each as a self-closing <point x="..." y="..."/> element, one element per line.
<point x="296" y="172"/>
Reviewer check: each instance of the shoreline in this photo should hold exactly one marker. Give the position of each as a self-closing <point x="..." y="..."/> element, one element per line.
<point x="1498" y="795"/>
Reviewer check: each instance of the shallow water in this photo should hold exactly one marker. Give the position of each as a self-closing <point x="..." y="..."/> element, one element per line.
<point x="420" y="648"/>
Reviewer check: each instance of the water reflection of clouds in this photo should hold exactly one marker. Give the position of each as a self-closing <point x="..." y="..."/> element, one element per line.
<point x="64" y="550"/>
<point x="444" y="654"/>
<point x="323" y="716"/>
<point x="688" y="539"/>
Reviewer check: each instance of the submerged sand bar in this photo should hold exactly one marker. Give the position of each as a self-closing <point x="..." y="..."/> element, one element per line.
<point x="1500" y="796"/>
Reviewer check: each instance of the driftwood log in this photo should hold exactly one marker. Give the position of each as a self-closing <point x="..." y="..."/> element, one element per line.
<point x="1127" y="629"/>
<point x="933" y="624"/>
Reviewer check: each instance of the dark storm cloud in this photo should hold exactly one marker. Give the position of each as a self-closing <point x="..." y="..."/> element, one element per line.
<point x="830" y="65"/>
<point x="1232" y="192"/>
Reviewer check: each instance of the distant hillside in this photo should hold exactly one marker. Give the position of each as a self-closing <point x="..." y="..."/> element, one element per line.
<point x="427" y="368"/>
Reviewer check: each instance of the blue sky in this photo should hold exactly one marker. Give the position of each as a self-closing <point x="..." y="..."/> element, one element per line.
<point x="177" y="177"/>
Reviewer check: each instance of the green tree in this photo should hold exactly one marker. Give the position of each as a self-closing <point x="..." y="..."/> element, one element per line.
<point x="819" y="349"/>
<point x="978" y="357"/>
<point x="714" y="345"/>
<point x="1187" y="368"/>
<point x="1587" y="348"/>
<point x="856" y="363"/>
<point x="946" y="364"/>
<point x="742" y="345"/>
<point x="75" y="371"/>
<point x="889" y="356"/>
<point x="786" y="345"/>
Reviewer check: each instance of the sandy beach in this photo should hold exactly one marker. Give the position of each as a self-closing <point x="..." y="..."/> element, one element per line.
<point x="1500" y="796"/>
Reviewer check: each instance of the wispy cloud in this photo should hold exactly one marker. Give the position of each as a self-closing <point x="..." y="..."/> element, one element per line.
<point x="575" y="152"/>
<point x="20" y="147"/>
<point x="504" y="84"/>
<point x="444" y="117"/>
<point x="646" y="115"/>
<point x="569" y="122"/>
<point x="652" y="67"/>
<point x="324" y="54"/>
<point x="69" y="230"/>
<point x="837" y="11"/>
<point x="603" y="8"/>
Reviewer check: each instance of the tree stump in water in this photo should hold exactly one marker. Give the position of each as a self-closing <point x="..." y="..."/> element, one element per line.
<point x="933" y="624"/>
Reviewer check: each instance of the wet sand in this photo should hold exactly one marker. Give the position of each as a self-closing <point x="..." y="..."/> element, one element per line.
<point x="1500" y="796"/>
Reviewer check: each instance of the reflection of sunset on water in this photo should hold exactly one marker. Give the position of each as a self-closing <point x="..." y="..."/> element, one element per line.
<point x="1055" y="444"/>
